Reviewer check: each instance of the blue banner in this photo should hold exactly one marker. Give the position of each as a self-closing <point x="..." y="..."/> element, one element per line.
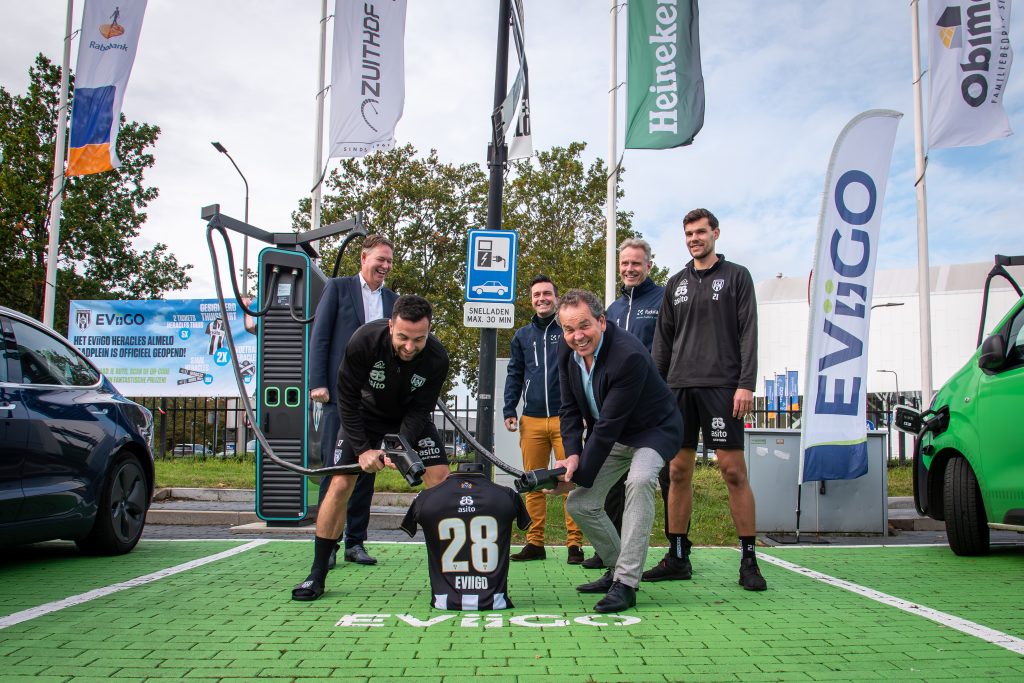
<point x="175" y="347"/>
<point x="794" y="390"/>
<point x="781" y="391"/>
<point x="769" y="396"/>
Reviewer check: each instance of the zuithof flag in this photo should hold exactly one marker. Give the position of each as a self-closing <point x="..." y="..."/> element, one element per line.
<point x="108" y="41"/>
<point x="833" y="438"/>
<point x="367" y="76"/>
<point x="969" y="59"/>
<point x="665" y="95"/>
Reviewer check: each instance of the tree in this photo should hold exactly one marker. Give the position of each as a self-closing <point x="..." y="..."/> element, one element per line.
<point x="102" y="213"/>
<point x="427" y="208"/>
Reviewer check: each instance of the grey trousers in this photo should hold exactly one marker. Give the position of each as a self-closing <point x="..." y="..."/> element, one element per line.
<point x="586" y="505"/>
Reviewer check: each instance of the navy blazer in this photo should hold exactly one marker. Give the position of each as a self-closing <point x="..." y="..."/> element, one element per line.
<point x="338" y="315"/>
<point x="636" y="407"/>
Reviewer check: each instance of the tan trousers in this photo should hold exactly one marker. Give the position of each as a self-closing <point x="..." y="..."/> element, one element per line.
<point x="537" y="437"/>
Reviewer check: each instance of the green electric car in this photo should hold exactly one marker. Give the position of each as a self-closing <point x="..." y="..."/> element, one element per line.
<point x="969" y="454"/>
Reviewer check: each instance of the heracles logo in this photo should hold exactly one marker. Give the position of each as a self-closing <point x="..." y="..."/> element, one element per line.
<point x="718" y="284"/>
<point x="466" y="500"/>
<point x="417" y="381"/>
<point x="718" y="423"/>
<point x="83" y="318"/>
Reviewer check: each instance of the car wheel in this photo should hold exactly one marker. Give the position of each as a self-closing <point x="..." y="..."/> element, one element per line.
<point x="478" y="290"/>
<point x="966" y="523"/>
<point x="501" y="292"/>
<point x="121" y="515"/>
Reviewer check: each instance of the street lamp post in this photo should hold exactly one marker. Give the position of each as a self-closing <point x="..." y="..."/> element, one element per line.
<point x="889" y="416"/>
<point x="245" y="238"/>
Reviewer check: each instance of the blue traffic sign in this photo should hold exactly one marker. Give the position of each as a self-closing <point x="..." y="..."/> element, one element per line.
<point x="491" y="265"/>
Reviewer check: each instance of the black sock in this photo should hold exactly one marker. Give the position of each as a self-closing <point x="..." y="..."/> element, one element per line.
<point x="679" y="546"/>
<point x="322" y="548"/>
<point x="747" y="546"/>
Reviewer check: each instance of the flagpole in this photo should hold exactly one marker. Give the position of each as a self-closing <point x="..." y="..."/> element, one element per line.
<point x="318" y="143"/>
<point x="57" y="189"/>
<point x="613" y="167"/>
<point x="923" y="270"/>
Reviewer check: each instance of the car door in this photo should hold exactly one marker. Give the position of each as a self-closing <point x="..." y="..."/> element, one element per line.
<point x="13" y="430"/>
<point x="72" y="427"/>
<point x="1000" y="405"/>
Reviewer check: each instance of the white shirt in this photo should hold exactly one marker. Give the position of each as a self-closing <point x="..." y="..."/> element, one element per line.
<point x="373" y="301"/>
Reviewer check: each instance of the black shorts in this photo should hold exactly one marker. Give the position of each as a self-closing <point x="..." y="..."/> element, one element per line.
<point x="429" y="445"/>
<point x="709" y="410"/>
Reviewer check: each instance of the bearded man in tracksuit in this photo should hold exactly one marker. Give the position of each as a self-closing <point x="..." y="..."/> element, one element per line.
<point x="533" y="375"/>
<point x="705" y="346"/>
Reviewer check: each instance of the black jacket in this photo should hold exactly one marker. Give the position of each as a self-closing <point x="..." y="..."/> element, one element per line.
<point x="376" y="386"/>
<point x="533" y="369"/>
<point x="707" y="329"/>
<point x="636" y="311"/>
<point x="636" y="408"/>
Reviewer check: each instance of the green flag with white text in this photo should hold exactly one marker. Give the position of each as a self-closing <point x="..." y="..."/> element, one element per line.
<point x="665" y="94"/>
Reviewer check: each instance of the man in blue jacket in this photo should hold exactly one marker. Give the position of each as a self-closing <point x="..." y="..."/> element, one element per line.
<point x="611" y="387"/>
<point x="636" y="311"/>
<point x="533" y="375"/>
<point x="346" y="304"/>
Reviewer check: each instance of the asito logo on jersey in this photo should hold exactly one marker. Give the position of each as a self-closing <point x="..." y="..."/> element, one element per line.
<point x="377" y="375"/>
<point x="718" y="428"/>
<point x="680" y="293"/>
<point x="466" y="504"/>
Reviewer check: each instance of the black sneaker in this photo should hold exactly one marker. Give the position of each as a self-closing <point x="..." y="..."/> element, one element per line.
<point x="750" y="575"/>
<point x="602" y="585"/>
<point x="575" y="555"/>
<point x="669" y="569"/>
<point x="529" y="552"/>
<point x="593" y="562"/>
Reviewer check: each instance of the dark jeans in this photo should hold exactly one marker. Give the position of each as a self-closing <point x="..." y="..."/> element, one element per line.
<point x="357" y="516"/>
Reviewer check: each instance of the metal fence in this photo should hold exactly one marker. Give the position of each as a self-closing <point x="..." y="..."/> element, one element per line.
<point x="217" y="427"/>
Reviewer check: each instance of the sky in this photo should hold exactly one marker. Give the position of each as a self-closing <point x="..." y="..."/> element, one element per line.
<point x="782" y="78"/>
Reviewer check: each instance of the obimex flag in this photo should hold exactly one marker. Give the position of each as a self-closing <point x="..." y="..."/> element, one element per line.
<point x="665" y="94"/>
<point x="367" y="76"/>
<point x="106" y="53"/>
<point x="969" y="59"/>
<point x="833" y="434"/>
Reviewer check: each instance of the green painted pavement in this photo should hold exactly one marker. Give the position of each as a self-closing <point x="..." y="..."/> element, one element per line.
<point x="34" y="575"/>
<point x="233" y="620"/>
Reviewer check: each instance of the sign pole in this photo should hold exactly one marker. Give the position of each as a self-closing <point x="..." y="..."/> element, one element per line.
<point x="497" y="153"/>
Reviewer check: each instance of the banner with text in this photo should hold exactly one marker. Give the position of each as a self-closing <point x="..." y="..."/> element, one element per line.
<point x="665" y="92"/>
<point x="367" y="76"/>
<point x="174" y="347"/>
<point x="969" y="58"/>
<point x="833" y="437"/>
<point x="106" y="53"/>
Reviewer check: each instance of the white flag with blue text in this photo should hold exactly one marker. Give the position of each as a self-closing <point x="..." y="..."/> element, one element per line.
<point x="833" y="433"/>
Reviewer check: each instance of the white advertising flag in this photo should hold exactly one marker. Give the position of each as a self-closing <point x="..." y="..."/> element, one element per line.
<point x="106" y="53"/>
<point x="969" y="58"/>
<point x="833" y="435"/>
<point x="367" y="76"/>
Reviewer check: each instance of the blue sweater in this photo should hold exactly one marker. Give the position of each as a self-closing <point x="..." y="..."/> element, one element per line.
<point x="636" y="311"/>
<point x="533" y="369"/>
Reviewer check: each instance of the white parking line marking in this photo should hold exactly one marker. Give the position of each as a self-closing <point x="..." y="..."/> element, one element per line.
<point x="57" y="605"/>
<point x="1004" y="640"/>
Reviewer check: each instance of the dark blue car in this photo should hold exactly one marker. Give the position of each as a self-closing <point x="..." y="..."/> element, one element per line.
<point x="76" y="457"/>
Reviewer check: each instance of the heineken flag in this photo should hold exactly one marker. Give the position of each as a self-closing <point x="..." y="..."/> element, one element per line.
<point x="367" y="76"/>
<point x="969" y="58"/>
<point x="106" y="53"/>
<point x="665" y="94"/>
<point x="833" y="439"/>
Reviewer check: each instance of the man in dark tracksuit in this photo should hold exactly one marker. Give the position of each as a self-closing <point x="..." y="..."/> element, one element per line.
<point x="347" y="303"/>
<point x="533" y="375"/>
<point x="389" y="381"/>
<point x="636" y="312"/>
<point x="705" y="347"/>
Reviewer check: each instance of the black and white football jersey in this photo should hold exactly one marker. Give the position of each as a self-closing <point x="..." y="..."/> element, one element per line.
<point x="467" y="525"/>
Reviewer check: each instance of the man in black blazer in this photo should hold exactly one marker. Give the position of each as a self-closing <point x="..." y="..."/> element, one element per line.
<point x="611" y="388"/>
<point x="346" y="304"/>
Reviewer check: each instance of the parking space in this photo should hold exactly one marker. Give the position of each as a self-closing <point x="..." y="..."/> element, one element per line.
<point x="231" y="619"/>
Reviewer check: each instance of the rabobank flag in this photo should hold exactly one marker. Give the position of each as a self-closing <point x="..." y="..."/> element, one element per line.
<point x="367" y="76"/>
<point x="969" y="58"/>
<point x="833" y="435"/>
<point x="106" y="53"/>
<point x="665" y="95"/>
